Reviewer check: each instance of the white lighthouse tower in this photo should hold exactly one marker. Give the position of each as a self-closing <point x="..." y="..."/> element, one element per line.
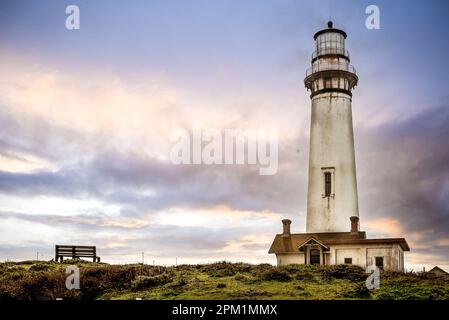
<point x="332" y="191"/>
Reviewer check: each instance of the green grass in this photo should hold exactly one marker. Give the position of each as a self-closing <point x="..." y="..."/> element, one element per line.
<point x="46" y="280"/>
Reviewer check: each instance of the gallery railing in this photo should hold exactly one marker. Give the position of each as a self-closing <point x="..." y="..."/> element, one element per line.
<point x="330" y="66"/>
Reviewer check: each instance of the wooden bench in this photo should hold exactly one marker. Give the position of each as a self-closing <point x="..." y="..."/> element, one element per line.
<point x="74" y="252"/>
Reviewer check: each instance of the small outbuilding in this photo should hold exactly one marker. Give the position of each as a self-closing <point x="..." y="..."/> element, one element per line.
<point x="438" y="271"/>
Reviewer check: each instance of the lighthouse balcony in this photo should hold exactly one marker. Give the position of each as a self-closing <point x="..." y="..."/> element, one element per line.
<point x="331" y="77"/>
<point x="319" y="67"/>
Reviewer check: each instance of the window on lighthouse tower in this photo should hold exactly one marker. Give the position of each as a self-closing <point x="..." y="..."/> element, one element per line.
<point x="327" y="83"/>
<point x="327" y="184"/>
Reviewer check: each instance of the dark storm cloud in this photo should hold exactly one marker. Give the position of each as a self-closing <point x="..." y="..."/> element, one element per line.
<point x="123" y="179"/>
<point x="404" y="174"/>
<point x="239" y="187"/>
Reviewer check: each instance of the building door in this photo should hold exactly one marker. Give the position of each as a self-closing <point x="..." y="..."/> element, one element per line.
<point x="315" y="256"/>
<point x="380" y="262"/>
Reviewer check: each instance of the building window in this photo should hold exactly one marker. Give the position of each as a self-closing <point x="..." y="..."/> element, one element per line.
<point x="327" y="184"/>
<point x="327" y="83"/>
<point x="348" y="260"/>
<point x="314" y="256"/>
<point x="380" y="262"/>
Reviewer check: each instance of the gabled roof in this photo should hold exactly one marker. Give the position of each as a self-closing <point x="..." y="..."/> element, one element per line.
<point x="291" y="243"/>
<point x="437" y="269"/>
<point x="312" y="239"/>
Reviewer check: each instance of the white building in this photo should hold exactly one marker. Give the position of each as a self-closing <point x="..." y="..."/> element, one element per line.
<point x="332" y="231"/>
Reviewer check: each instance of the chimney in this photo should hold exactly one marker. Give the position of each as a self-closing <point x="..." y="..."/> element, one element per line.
<point x="286" y="224"/>
<point x="354" y="224"/>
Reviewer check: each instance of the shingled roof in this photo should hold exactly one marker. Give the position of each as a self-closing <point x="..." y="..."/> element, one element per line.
<point x="290" y="243"/>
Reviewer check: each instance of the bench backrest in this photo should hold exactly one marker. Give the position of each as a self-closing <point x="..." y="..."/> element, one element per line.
<point x="79" y="251"/>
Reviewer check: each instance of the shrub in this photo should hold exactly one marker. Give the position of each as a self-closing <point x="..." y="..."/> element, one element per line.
<point x="386" y="295"/>
<point x="222" y="273"/>
<point x="144" y="282"/>
<point x="43" y="286"/>
<point x="360" y="291"/>
<point x="180" y="283"/>
<point x="242" y="277"/>
<point x="261" y="269"/>
<point x="96" y="280"/>
<point x="26" y="262"/>
<point x="305" y="276"/>
<point x="226" y="269"/>
<point x="342" y="271"/>
<point x="39" y="267"/>
<point x="412" y="292"/>
<point x="276" y="275"/>
<point x="295" y="268"/>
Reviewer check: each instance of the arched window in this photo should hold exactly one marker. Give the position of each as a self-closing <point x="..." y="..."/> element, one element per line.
<point x="314" y="256"/>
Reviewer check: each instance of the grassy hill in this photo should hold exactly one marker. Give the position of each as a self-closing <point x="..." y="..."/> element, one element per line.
<point x="46" y="280"/>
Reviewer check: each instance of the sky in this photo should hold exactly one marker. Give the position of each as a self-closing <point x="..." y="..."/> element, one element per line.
<point x="86" y="115"/>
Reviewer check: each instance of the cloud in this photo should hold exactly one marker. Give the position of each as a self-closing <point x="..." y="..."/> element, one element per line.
<point x="15" y="162"/>
<point x="115" y="242"/>
<point x="96" y="219"/>
<point x="100" y="137"/>
<point x="88" y="158"/>
<point x="403" y="172"/>
<point x="387" y="226"/>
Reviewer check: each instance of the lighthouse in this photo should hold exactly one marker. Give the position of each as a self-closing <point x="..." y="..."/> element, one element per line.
<point x="332" y="186"/>
<point x="333" y="234"/>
